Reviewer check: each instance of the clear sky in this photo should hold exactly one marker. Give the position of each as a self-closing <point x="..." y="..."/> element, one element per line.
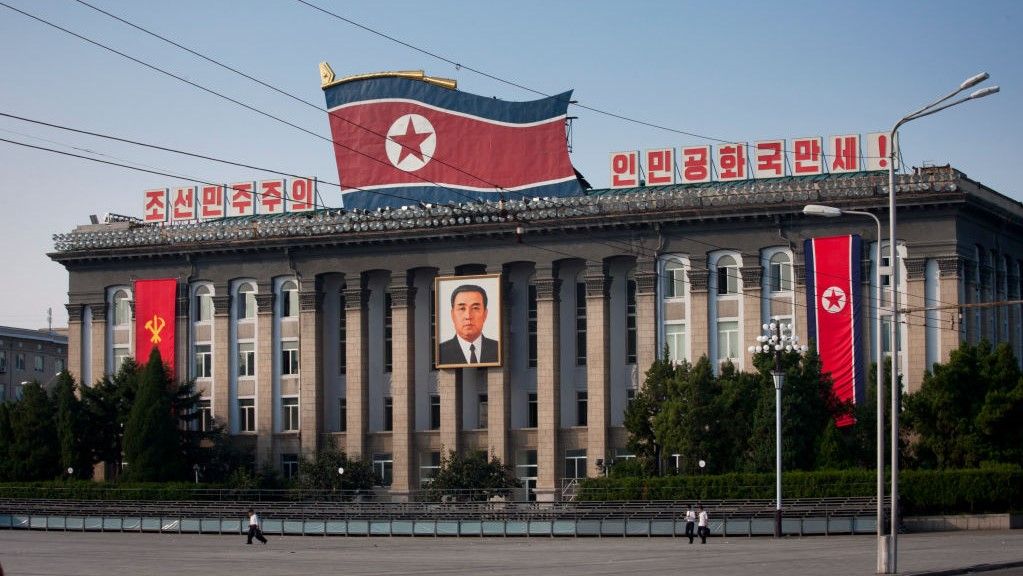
<point x="745" y="70"/>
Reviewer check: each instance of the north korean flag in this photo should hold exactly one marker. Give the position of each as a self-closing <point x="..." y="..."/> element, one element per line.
<point x="400" y="140"/>
<point x="833" y="295"/>
<point x="155" y="308"/>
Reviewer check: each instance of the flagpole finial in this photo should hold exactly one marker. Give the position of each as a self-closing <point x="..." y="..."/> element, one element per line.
<point x="326" y="74"/>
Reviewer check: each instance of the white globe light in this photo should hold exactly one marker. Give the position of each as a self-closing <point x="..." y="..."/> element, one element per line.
<point x="752" y="349"/>
<point x="764" y="326"/>
<point x="767" y="348"/>
<point x="773" y="326"/>
<point x="788" y="348"/>
<point x="777" y="347"/>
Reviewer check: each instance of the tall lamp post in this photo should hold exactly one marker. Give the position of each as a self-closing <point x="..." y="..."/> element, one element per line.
<point x="777" y="338"/>
<point x="932" y="108"/>
<point x="832" y="212"/>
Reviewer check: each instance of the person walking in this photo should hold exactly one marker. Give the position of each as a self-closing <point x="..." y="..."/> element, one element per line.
<point x="703" y="528"/>
<point x="690" y="522"/>
<point x="254" y="528"/>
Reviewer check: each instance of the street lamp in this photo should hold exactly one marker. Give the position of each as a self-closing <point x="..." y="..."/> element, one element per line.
<point x="932" y="108"/>
<point x="777" y="338"/>
<point x="832" y="212"/>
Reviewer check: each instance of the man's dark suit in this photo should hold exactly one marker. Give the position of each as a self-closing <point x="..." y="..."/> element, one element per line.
<point x="451" y="352"/>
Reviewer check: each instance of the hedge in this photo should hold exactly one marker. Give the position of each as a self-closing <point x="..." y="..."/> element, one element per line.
<point x="990" y="489"/>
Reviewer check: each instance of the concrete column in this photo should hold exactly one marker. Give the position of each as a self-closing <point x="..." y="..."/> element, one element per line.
<point x="222" y="356"/>
<point x="264" y="377"/>
<point x="499" y="390"/>
<point x="310" y="327"/>
<point x="403" y="370"/>
<point x="548" y="385"/>
<point x="74" y="343"/>
<point x="916" y="351"/>
<point x="950" y="272"/>
<point x="799" y="299"/>
<point x="356" y="369"/>
<point x="450" y="392"/>
<point x="183" y="336"/>
<point x="646" y="314"/>
<point x="749" y="311"/>
<point x="598" y="367"/>
<point x="699" y="329"/>
<point x="98" y="341"/>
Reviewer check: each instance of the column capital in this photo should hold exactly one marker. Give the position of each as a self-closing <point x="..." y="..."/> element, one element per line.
<point x="646" y="281"/>
<point x="915" y="268"/>
<point x="698" y="279"/>
<point x="310" y="301"/>
<point x="950" y="265"/>
<point x="221" y="305"/>
<point x="547" y="288"/>
<point x="355" y="298"/>
<point x="264" y="302"/>
<point x="799" y="273"/>
<point x="751" y="277"/>
<point x="402" y="295"/>
<point x="74" y="312"/>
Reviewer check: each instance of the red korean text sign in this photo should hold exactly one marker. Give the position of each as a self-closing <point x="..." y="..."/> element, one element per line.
<point x="155" y="311"/>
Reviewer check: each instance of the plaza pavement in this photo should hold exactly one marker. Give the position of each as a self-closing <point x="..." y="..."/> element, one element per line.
<point x="35" y="553"/>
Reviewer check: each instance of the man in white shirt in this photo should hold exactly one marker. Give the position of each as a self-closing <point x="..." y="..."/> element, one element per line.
<point x="254" y="529"/>
<point x="704" y="528"/>
<point x="690" y="522"/>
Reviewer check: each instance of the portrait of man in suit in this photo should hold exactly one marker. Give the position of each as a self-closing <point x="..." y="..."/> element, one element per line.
<point x="470" y="307"/>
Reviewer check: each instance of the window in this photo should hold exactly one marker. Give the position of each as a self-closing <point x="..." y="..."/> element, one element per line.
<point x="38" y="363"/>
<point x="19" y="361"/>
<point x="289" y="299"/>
<point x="289" y="357"/>
<point x="289" y="465"/>
<point x="728" y="275"/>
<point x="246" y="414"/>
<point x="580" y="323"/>
<point x="205" y="420"/>
<point x="630" y="322"/>
<point x="428" y="470"/>
<point x="58" y="365"/>
<point x="246" y="301"/>
<point x="728" y="340"/>
<point x="388" y="413"/>
<point x="122" y="308"/>
<point x="581" y="401"/>
<point x="342" y="414"/>
<point x="532" y="326"/>
<point x="531" y="410"/>
<point x="575" y="463"/>
<point x="780" y="273"/>
<point x="674" y="279"/>
<point x="3" y="361"/>
<point x="289" y="414"/>
<point x="527" y="469"/>
<point x="433" y="327"/>
<point x="383" y="465"/>
<point x="434" y="412"/>
<point x="246" y="359"/>
<point x="203" y="304"/>
<point x="388" y="334"/>
<point x="482" y="408"/>
<point x="675" y="340"/>
<point x="630" y="395"/>
<point x="121" y="354"/>
<point x="203" y="361"/>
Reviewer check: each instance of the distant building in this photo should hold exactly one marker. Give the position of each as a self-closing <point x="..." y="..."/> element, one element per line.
<point x="29" y="356"/>
<point x="300" y="328"/>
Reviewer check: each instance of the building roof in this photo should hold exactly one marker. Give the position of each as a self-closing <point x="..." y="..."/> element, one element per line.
<point x="36" y="335"/>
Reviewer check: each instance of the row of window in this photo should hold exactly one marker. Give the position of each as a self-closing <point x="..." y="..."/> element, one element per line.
<point x="38" y="365"/>
<point x="203" y="303"/>
<point x="779" y="276"/>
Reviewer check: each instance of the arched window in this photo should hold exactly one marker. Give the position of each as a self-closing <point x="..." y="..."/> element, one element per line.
<point x="674" y="279"/>
<point x="122" y="308"/>
<point x="289" y="299"/>
<point x="204" y="303"/>
<point x="728" y="275"/>
<point x="780" y="272"/>
<point x="246" y="301"/>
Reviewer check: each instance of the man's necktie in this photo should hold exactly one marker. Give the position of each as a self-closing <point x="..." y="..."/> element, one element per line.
<point x="472" y="354"/>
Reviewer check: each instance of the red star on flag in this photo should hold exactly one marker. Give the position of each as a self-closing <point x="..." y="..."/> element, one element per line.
<point x="411" y="142"/>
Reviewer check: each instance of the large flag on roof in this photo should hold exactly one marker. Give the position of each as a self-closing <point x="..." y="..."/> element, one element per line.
<point x="833" y="295"/>
<point x="402" y="138"/>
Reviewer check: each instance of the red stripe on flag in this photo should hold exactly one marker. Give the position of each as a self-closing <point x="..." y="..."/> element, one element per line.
<point x="155" y="305"/>
<point x="834" y="306"/>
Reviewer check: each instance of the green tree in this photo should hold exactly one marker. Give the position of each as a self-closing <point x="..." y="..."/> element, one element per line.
<point x="34" y="451"/>
<point x="152" y="446"/>
<point x="644" y="408"/>
<point x="71" y="427"/>
<point x="471" y="475"/>
<point x="106" y="407"/>
<point x="321" y="472"/>
<point x="688" y="422"/>
<point x="6" y="443"/>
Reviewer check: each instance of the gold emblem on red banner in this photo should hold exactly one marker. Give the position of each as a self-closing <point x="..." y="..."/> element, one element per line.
<point x="155" y="326"/>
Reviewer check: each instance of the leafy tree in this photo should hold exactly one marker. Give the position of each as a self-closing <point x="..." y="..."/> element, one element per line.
<point x="471" y="475"/>
<point x="6" y="443"/>
<point x="106" y="407"/>
<point x="321" y="472"/>
<point x="644" y="408"/>
<point x="34" y="451"/>
<point x="735" y="406"/>
<point x="152" y="446"/>
<point x="684" y="424"/>
<point x="71" y="427"/>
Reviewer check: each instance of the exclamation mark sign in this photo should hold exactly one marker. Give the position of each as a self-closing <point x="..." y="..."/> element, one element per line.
<point x="882" y="150"/>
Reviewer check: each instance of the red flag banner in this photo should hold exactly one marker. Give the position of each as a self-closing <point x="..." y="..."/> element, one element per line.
<point x="155" y="307"/>
<point x="833" y="313"/>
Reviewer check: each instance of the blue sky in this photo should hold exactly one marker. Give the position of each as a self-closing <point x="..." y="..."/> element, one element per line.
<point x="739" y="71"/>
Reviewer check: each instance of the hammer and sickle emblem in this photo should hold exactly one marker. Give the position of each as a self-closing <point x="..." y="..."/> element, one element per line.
<point x="155" y="326"/>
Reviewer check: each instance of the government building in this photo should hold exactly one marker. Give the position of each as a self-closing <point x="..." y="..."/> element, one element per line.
<point x="301" y="328"/>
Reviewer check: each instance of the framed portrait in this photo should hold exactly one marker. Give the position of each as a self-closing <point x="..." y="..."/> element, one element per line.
<point x="468" y="321"/>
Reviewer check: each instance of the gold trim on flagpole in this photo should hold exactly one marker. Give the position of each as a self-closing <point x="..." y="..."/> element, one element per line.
<point x="328" y="79"/>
